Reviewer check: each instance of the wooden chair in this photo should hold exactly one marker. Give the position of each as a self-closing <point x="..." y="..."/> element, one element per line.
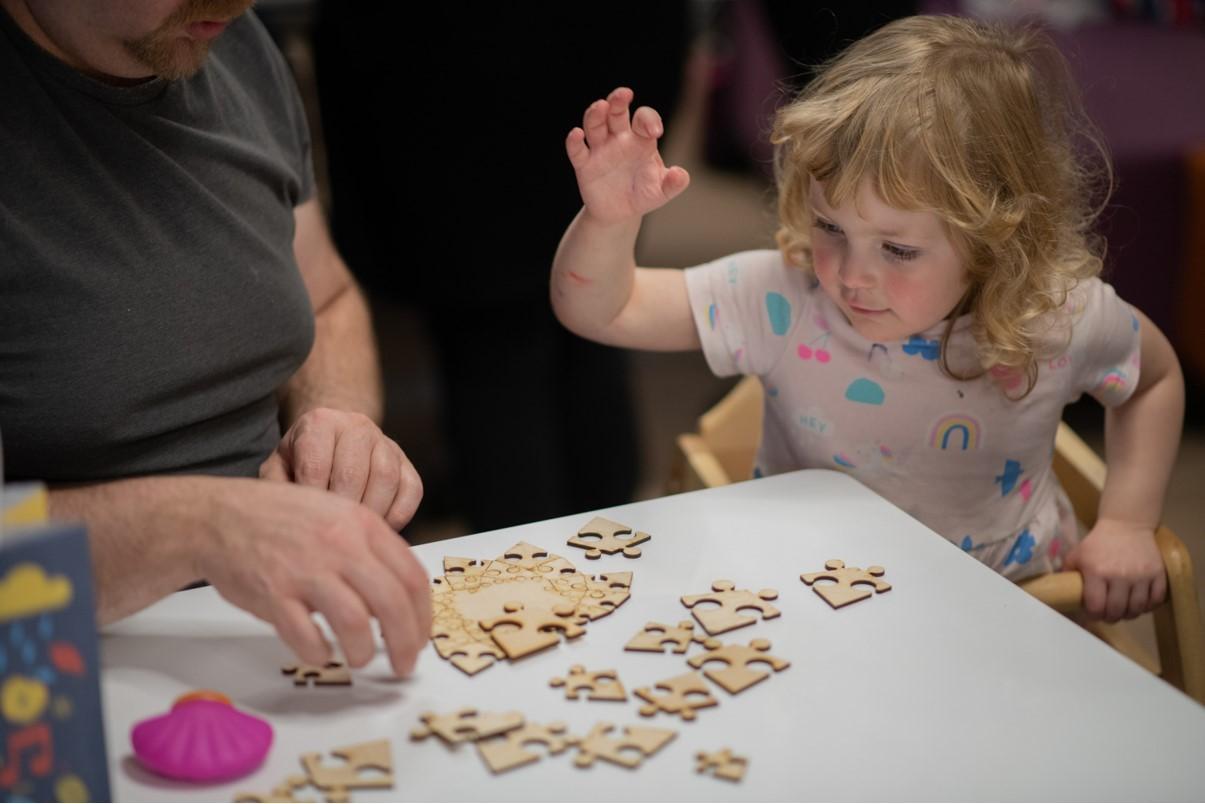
<point x="722" y="452"/>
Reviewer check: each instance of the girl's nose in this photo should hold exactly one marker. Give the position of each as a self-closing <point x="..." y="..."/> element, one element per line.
<point x="854" y="273"/>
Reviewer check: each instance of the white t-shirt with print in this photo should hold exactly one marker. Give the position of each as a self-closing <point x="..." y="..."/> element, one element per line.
<point x="960" y="456"/>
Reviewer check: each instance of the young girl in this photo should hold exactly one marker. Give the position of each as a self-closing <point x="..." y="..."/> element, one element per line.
<point x="933" y="304"/>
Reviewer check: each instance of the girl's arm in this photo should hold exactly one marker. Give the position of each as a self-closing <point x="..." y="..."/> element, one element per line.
<point x="597" y="290"/>
<point x="1123" y="572"/>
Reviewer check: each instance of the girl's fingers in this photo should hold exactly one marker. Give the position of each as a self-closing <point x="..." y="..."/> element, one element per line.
<point x="575" y="147"/>
<point x="618" y="103"/>
<point x="647" y="123"/>
<point x="594" y="123"/>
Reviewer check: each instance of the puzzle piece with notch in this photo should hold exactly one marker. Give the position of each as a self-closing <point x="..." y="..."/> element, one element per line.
<point x="601" y="535"/>
<point x="685" y="694"/>
<point x="842" y="593"/>
<point x="281" y="794"/>
<point x="619" y="750"/>
<point x="738" y="675"/>
<point x="468" y="655"/>
<point x="356" y="771"/>
<point x="507" y="751"/>
<point x="656" y="636"/>
<point x="602" y="685"/>
<point x="331" y="674"/>
<point x="534" y="631"/>
<point x="465" y="725"/>
<point x="724" y="763"/>
<point x="730" y="600"/>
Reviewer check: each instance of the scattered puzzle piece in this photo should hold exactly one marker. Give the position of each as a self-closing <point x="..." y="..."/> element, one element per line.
<point x="507" y="751"/>
<point x="466" y="654"/>
<point x="725" y="764"/>
<point x="730" y="600"/>
<point x="630" y="750"/>
<point x="357" y="769"/>
<point x="738" y="675"/>
<point x="281" y="794"/>
<point x="534" y="631"/>
<point x="842" y="593"/>
<point x="331" y="674"/>
<point x="466" y="724"/>
<point x="656" y="636"/>
<point x="601" y="535"/>
<point x="603" y="685"/>
<point x="686" y="693"/>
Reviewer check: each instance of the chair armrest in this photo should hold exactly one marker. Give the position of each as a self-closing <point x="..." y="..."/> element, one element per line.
<point x="1062" y="591"/>
<point x="702" y="462"/>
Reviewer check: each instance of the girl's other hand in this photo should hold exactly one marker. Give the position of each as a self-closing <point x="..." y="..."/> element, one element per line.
<point x="619" y="170"/>
<point x="1123" y="571"/>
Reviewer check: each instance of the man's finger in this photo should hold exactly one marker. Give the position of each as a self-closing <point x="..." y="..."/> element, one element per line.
<point x="384" y="475"/>
<point x="299" y="631"/>
<point x="347" y="616"/>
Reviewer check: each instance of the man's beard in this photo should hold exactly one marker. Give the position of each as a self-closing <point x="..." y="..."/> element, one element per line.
<point x="172" y="55"/>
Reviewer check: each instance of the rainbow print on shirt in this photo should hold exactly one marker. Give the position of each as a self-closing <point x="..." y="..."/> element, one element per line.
<point x="955" y="431"/>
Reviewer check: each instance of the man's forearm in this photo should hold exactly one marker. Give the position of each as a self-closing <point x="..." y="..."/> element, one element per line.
<point x="342" y="370"/>
<point x="145" y="536"/>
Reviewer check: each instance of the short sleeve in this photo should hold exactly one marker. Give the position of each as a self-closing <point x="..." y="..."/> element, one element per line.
<point x="1106" y="344"/>
<point x="745" y="307"/>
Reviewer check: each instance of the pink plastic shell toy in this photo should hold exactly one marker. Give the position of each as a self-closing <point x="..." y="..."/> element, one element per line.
<point x="202" y="739"/>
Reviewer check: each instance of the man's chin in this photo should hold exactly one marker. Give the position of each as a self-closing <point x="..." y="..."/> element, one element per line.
<point x="176" y="60"/>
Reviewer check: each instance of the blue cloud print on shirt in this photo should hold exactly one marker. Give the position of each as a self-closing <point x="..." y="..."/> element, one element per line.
<point x="916" y="345"/>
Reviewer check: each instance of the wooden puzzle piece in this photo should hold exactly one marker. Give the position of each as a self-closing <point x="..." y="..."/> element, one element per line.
<point x="738" y="675"/>
<point x="726" y="765"/>
<point x="466" y="654"/>
<point x="466" y="724"/>
<point x="629" y="750"/>
<point x="462" y="566"/>
<point x="617" y="580"/>
<point x="534" y="631"/>
<point x="357" y="769"/>
<point x="603" y="685"/>
<point x="656" y="636"/>
<point x="601" y="535"/>
<point x="281" y="794"/>
<point x="842" y="593"/>
<point x="686" y="693"/>
<point x="507" y="751"/>
<point x="730" y="600"/>
<point x="331" y="674"/>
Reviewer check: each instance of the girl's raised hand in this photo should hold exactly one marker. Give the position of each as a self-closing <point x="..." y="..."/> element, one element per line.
<point x="619" y="171"/>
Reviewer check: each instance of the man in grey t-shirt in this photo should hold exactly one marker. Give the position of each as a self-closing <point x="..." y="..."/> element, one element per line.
<point x="184" y="357"/>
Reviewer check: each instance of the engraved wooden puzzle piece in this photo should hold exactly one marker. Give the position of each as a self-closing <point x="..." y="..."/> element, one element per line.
<point x="356" y="771"/>
<point x="331" y="674"/>
<point x="731" y="601"/>
<point x="601" y="535"/>
<point x="630" y="749"/>
<point x="466" y="724"/>
<point x="842" y="593"/>
<point x="684" y="694"/>
<point x="656" y="636"/>
<point x="738" y="675"/>
<point x="508" y="751"/>
<point x="534" y="630"/>
<point x="602" y="685"/>
<point x="466" y="654"/>
<point x="724" y="763"/>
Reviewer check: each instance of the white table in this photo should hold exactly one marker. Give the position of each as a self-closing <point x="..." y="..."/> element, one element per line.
<point x="953" y="685"/>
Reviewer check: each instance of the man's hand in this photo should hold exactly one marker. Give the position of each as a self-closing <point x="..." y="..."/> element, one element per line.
<point x="1123" y="571"/>
<point x="348" y="454"/>
<point x="283" y="551"/>
<point x="619" y="170"/>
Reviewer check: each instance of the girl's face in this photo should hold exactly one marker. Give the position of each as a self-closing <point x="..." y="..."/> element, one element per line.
<point x="893" y="273"/>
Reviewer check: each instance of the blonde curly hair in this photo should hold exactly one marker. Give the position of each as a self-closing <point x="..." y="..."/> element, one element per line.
<point x="979" y="124"/>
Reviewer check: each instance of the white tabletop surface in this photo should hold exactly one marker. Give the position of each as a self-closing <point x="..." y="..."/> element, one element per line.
<point x="953" y="685"/>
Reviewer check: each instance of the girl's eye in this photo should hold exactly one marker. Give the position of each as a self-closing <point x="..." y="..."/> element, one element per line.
<point x="826" y="227"/>
<point x="899" y="253"/>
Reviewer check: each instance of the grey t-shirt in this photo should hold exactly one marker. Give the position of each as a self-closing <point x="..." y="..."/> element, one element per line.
<point x="150" y="303"/>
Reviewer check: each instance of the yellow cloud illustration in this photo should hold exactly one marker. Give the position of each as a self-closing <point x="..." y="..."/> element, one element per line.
<point x="27" y="590"/>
